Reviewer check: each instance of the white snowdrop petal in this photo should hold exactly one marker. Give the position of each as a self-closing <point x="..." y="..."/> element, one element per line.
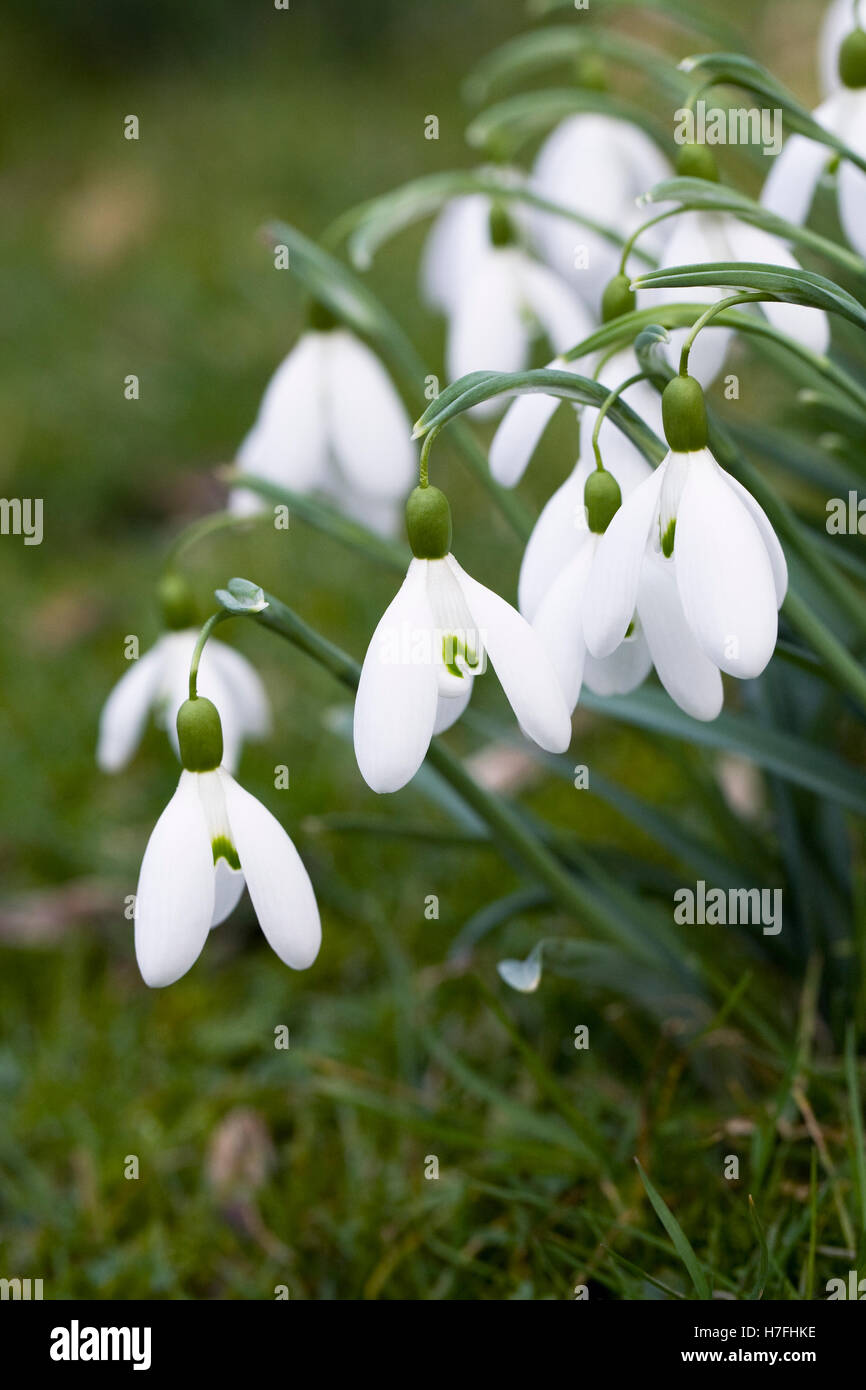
<point x="687" y="674"/>
<point x="789" y="188"/>
<point x="560" y="312"/>
<point x="724" y="573"/>
<point x="458" y="240"/>
<point x="278" y="884"/>
<point x="124" y="714"/>
<point x="768" y="535"/>
<point x="228" y="887"/>
<point x="395" y="707"/>
<point x="611" y="593"/>
<point x="525" y="671"/>
<point x="621" y="672"/>
<point x="559" y="621"/>
<point x="488" y="331"/>
<point x="852" y="190"/>
<point x="450" y="707"/>
<point x="559" y="530"/>
<point x="288" y="442"/>
<point x="810" y="327"/>
<point x="369" y="425"/>
<point x="519" y="434"/>
<point x="174" y="901"/>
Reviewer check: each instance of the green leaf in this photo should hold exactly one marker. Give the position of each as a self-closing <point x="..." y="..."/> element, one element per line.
<point x="764" y="1258"/>
<point x="370" y="224"/>
<point x="689" y="14"/>
<point x="706" y="196"/>
<point x="678" y="1237"/>
<point x="779" y="283"/>
<point x="510" y="123"/>
<point x="568" y="386"/>
<point x="735" y="70"/>
<point x="540" y="49"/>
<point x="776" y="751"/>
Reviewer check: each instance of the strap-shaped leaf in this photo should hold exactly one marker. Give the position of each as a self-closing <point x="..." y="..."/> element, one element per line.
<point x="703" y="195"/>
<point x="535" y="52"/>
<point x="511" y="122"/>
<point x="689" y="14"/>
<point x="548" y="380"/>
<point x="792" y="286"/>
<point x="735" y="70"/>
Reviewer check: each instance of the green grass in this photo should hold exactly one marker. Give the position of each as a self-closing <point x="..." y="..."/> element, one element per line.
<point x="143" y="258"/>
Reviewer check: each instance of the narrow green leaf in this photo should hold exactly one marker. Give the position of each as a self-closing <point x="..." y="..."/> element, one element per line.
<point x="764" y="1258"/>
<point x="678" y="1237"/>
<point x="540" y="49"/>
<point x="510" y="123"/>
<point x="791" y="286"/>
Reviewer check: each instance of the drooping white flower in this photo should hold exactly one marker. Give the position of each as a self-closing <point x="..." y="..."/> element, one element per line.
<point x="460" y="240"/>
<point x="430" y="644"/>
<point x="509" y="301"/>
<point x="790" y="186"/>
<point x="332" y="422"/>
<point x="693" y="555"/>
<point x="211" y="839"/>
<point x="598" y="166"/>
<point x="158" y="682"/>
<point x="703" y="237"/>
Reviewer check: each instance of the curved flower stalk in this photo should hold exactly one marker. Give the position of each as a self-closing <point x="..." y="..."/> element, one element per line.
<point x="158" y="681"/>
<point x="211" y="839"/>
<point x="522" y="426"/>
<point x="790" y="187"/>
<point x="331" y="421"/>
<point x="706" y="237"/>
<point x="598" y="166"/>
<point x="430" y="644"/>
<point x="507" y="301"/>
<point x="692" y="555"/>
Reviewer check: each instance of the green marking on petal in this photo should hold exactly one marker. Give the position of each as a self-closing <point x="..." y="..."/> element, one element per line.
<point x="668" y="539"/>
<point x="224" y="849"/>
<point x="630" y="630"/>
<point x="458" y="657"/>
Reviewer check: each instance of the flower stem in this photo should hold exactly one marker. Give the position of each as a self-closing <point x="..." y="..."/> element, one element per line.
<point x="205" y="633"/>
<point x="614" y="396"/>
<point x="202" y="527"/>
<point x="629" y="246"/>
<point x="731" y="302"/>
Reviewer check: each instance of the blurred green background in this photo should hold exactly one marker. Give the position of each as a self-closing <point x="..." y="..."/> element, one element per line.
<point x="305" y="1167"/>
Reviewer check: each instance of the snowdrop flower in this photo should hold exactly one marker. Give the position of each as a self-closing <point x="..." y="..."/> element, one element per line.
<point x="460" y="240"/>
<point x="561" y="549"/>
<point x="701" y="237"/>
<point x="692" y="554"/>
<point x="211" y="839"/>
<point x="159" y="682"/>
<point x="790" y="186"/>
<point x="331" y="422"/>
<point x="429" y="646"/>
<point x="598" y="166"/>
<point x="508" y="301"/>
<point x="841" y="16"/>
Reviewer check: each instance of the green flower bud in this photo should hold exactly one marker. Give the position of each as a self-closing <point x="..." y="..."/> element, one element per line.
<point x="428" y="523"/>
<point x="684" y="415"/>
<point x="852" y="59"/>
<point x="501" y="227"/>
<point x="603" y="500"/>
<point x="590" y="72"/>
<point x="697" y="162"/>
<point x="200" y="735"/>
<point x="319" y="317"/>
<point x="618" y="298"/>
<point x="179" y="608"/>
